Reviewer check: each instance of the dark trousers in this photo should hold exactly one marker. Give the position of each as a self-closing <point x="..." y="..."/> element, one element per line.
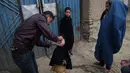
<point x="26" y="62"/>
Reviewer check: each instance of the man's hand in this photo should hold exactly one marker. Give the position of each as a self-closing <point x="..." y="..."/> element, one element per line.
<point x="60" y="42"/>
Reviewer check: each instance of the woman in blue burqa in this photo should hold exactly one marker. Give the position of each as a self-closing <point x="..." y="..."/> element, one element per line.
<point x="111" y="34"/>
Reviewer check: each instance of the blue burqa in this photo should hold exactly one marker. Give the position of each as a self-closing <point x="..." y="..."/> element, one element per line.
<point x="111" y="33"/>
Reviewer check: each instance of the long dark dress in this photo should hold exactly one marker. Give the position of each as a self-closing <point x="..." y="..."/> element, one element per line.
<point x="62" y="53"/>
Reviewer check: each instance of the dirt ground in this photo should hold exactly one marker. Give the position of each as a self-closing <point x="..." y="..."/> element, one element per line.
<point x="83" y="58"/>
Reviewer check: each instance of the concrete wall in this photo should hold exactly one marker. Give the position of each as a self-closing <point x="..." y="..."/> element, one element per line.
<point x="85" y="15"/>
<point x="91" y="11"/>
<point x="96" y="8"/>
<point x="128" y="18"/>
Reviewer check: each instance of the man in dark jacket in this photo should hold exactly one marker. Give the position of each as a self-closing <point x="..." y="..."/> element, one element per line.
<point x="28" y="35"/>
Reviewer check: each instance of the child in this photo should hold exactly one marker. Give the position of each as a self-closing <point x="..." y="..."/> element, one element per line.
<point x="61" y="57"/>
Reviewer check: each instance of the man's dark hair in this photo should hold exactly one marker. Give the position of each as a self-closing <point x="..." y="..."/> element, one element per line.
<point x="67" y="8"/>
<point x="49" y="13"/>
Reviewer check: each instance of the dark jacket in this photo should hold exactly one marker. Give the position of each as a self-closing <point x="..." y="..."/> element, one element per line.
<point x="66" y="28"/>
<point x="29" y="32"/>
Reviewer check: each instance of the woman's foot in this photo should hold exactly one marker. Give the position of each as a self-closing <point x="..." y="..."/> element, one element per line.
<point x="101" y="63"/>
<point x="108" y="69"/>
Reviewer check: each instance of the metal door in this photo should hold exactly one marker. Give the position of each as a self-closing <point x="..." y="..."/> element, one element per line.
<point x="10" y="19"/>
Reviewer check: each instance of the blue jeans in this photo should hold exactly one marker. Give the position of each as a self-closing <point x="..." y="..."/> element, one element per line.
<point x="26" y="62"/>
